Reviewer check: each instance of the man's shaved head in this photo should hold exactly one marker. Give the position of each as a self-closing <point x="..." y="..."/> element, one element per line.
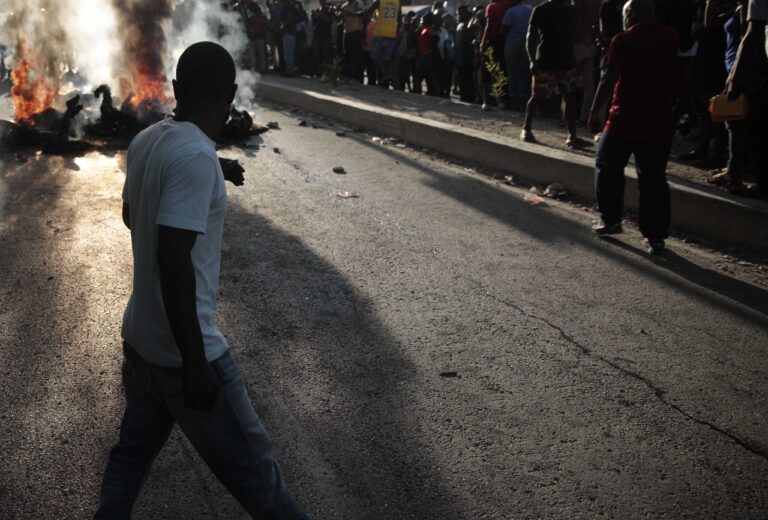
<point x="638" y="11"/>
<point x="205" y="72"/>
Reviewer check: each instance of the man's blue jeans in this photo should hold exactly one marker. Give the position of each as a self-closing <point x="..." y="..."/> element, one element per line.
<point x="229" y="437"/>
<point x="289" y="53"/>
<point x="651" y="156"/>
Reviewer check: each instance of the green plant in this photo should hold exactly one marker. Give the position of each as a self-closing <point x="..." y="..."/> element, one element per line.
<point x="498" y="77"/>
<point x="333" y="70"/>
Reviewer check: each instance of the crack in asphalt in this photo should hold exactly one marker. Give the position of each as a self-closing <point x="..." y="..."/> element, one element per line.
<point x="658" y="392"/>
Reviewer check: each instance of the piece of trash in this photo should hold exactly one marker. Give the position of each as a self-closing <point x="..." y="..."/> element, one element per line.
<point x="508" y="179"/>
<point x="555" y="191"/>
<point x="535" y="200"/>
<point x="401" y="145"/>
<point x="339" y="169"/>
<point x="273" y="125"/>
<point x="276" y="150"/>
<point x="449" y="373"/>
<point x="341" y="134"/>
<point x="535" y="190"/>
<point x="347" y="195"/>
<point x="470" y="170"/>
<point x="376" y="139"/>
<point x="302" y="122"/>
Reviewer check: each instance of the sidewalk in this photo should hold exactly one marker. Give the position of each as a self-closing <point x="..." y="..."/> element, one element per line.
<point x="490" y="139"/>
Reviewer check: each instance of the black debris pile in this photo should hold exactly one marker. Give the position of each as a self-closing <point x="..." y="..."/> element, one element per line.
<point x="49" y="131"/>
<point x="239" y="128"/>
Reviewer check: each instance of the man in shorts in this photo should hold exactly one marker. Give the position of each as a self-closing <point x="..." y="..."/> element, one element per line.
<point x="177" y="367"/>
<point x="550" y="45"/>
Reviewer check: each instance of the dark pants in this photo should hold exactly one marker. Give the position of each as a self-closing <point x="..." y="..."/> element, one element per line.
<point x="466" y="81"/>
<point x="353" y="55"/>
<point x="651" y="157"/>
<point x="229" y="437"/>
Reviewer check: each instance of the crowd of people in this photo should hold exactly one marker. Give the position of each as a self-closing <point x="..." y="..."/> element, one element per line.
<point x="523" y="55"/>
<point x="657" y="64"/>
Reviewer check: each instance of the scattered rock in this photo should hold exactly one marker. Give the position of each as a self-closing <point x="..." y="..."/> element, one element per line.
<point x="449" y="373"/>
<point x="509" y="179"/>
<point x="555" y="191"/>
<point x="341" y="134"/>
<point x="276" y="150"/>
<point x="347" y="195"/>
<point x="339" y="170"/>
<point x="273" y="125"/>
<point x="302" y="122"/>
<point x="535" y="190"/>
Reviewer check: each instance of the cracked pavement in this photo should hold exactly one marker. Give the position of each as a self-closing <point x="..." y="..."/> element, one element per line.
<point x="436" y="348"/>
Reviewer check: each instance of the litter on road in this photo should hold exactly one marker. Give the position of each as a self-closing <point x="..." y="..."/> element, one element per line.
<point x="555" y="191"/>
<point x="339" y="170"/>
<point x="347" y="195"/>
<point x="273" y="125"/>
<point x="534" y="200"/>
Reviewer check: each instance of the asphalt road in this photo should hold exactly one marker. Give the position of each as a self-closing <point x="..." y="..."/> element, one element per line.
<point x="434" y="349"/>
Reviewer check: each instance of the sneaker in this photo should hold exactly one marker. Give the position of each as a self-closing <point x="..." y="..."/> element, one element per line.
<point x="527" y="136"/>
<point x="601" y="228"/>
<point x="654" y="246"/>
<point x="719" y="178"/>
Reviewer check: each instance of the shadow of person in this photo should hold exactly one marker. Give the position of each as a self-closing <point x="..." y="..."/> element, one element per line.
<point x="313" y="349"/>
<point x="744" y="293"/>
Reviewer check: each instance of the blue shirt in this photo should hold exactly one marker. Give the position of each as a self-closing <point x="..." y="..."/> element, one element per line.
<point x="733" y="38"/>
<point x="516" y="22"/>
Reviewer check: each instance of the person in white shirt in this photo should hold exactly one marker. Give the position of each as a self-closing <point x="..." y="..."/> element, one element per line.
<point x="177" y="367"/>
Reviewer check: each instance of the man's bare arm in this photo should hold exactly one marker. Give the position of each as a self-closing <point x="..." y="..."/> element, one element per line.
<point x="752" y="43"/>
<point x="178" y="285"/>
<point x="126" y="215"/>
<point x="603" y="97"/>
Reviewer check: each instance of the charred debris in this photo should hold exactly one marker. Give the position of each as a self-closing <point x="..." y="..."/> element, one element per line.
<point x="54" y="132"/>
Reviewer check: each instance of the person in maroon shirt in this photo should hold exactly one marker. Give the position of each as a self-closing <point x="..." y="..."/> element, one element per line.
<point x="493" y="34"/>
<point x="426" y="63"/>
<point x="640" y="81"/>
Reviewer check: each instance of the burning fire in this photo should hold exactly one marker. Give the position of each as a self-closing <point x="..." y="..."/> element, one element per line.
<point x="145" y="91"/>
<point x="34" y="89"/>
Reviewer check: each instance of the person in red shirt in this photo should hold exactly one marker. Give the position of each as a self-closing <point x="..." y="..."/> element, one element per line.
<point x="493" y="35"/>
<point x="639" y="81"/>
<point x="425" y="65"/>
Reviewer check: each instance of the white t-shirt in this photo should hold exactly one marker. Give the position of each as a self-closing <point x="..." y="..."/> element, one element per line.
<point x="758" y="10"/>
<point x="173" y="179"/>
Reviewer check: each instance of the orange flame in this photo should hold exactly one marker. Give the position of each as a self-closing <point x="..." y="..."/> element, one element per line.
<point x="33" y="91"/>
<point x="145" y="90"/>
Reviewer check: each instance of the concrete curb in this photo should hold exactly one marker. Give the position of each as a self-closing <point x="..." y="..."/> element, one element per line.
<point x="699" y="209"/>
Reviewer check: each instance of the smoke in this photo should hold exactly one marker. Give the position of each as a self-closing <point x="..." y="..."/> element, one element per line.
<point x="198" y="20"/>
<point x="143" y="41"/>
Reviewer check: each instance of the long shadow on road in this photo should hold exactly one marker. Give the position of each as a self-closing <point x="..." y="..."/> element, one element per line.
<point x="307" y="333"/>
<point x="508" y="207"/>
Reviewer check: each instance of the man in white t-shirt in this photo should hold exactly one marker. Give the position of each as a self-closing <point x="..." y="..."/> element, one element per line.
<point x="749" y="76"/>
<point x="177" y="367"/>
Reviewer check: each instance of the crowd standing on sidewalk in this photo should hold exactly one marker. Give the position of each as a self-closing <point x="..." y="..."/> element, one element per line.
<point x="536" y="56"/>
<point x="664" y="67"/>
